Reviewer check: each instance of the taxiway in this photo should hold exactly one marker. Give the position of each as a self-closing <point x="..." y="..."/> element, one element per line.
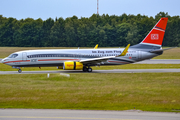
<point x="51" y="114"/>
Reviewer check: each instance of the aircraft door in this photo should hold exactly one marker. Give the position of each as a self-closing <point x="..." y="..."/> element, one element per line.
<point x="24" y="56"/>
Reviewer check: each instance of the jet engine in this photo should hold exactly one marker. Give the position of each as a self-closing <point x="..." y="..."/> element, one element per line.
<point x="73" y="66"/>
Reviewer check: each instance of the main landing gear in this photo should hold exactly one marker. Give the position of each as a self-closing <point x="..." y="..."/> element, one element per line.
<point x="87" y="69"/>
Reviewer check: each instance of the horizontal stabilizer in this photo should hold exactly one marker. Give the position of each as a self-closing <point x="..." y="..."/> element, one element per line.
<point x="161" y="50"/>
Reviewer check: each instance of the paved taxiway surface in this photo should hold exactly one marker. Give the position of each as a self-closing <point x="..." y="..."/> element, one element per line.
<point x="51" y="114"/>
<point x="97" y="71"/>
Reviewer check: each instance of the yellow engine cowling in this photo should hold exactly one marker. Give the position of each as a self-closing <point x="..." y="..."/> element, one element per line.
<point x="72" y="66"/>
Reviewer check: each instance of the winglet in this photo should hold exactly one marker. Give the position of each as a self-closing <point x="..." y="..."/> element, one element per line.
<point x="125" y="51"/>
<point x="96" y="46"/>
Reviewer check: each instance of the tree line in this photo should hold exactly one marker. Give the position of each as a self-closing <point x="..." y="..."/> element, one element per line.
<point x="105" y="30"/>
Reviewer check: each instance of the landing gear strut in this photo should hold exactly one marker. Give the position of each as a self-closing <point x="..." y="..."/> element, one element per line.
<point x="19" y="69"/>
<point x="85" y="69"/>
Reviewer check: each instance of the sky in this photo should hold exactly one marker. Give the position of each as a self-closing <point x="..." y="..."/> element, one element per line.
<point x="44" y="9"/>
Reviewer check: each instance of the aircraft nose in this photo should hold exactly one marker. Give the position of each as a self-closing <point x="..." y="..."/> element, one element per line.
<point x="3" y="60"/>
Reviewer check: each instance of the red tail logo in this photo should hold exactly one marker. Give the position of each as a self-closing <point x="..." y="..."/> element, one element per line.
<point x="156" y="35"/>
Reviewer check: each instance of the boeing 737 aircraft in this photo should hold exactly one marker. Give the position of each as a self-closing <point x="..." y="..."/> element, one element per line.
<point x="83" y="59"/>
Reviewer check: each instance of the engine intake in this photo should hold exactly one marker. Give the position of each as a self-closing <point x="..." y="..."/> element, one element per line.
<point x="73" y="66"/>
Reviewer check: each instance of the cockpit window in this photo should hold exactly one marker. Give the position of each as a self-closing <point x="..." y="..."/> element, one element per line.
<point x="13" y="56"/>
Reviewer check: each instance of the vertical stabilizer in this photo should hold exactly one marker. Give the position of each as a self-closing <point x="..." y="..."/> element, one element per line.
<point x="156" y="35"/>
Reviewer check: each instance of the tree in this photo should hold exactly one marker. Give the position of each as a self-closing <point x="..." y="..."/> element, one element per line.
<point x="57" y="35"/>
<point x="161" y="14"/>
<point x="46" y="28"/>
<point x="30" y="33"/>
<point x="172" y="37"/>
<point x="7" y="32"/>
<point x="103" y="29"/>
<point x="122" y="31"/>
<point x="132" y="35"/>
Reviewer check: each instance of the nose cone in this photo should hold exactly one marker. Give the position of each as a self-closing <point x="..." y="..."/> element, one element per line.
<point x="2" y="60"/>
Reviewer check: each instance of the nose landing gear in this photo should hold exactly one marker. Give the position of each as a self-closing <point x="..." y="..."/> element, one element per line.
<point x="19" y="71"/>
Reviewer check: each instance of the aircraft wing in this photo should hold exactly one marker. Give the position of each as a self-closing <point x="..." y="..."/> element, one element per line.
<point x="103" y="59"/>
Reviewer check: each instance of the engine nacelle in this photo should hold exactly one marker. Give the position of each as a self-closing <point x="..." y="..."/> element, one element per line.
<point x="73" y="66"/>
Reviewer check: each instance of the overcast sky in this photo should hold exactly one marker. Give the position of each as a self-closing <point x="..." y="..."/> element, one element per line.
<point x="44" y="9"/>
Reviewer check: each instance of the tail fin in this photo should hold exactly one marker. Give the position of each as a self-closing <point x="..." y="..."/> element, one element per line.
<point x="156" y="35"/>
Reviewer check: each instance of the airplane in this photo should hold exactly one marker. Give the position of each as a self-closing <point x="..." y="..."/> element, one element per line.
<point x="83" y="59"/>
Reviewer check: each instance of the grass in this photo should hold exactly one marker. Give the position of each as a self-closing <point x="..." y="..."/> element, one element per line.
<point x="93" y="91"/>
<point x="6" y="51"/>
<point x="144" y="91"/>
<point x="170" y="54"/>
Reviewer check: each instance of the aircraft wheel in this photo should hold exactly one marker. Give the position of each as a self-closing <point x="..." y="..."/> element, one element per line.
<point x="84" y="69"/>
<point x="89" y="69"/>
<point x="19" y="71"/>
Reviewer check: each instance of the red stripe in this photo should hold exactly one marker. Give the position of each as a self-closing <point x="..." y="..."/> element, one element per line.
<point x="57" y="59"/>
<point x="18" y="61"/>
<point x="42" y="60"/>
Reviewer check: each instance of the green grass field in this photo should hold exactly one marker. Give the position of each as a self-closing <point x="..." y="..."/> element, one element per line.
<point x="93" y="91"/>
<point x="144" y="91"/>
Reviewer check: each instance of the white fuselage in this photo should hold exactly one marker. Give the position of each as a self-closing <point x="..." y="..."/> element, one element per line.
<point x="56" y="57"/>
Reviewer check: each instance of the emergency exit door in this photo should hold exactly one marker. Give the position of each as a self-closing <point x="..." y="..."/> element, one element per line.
<point x="24" y="56"/>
